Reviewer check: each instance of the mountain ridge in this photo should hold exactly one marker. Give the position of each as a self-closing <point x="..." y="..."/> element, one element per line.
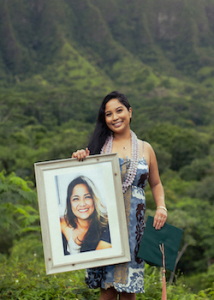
<point x="171" y="36"/>
<point x="87" y="49"/>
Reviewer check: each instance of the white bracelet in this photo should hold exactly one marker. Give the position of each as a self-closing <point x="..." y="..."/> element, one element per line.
<point x="162" y="207"/>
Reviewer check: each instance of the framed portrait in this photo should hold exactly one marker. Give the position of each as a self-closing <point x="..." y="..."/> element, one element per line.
<point x="82" y="213"/>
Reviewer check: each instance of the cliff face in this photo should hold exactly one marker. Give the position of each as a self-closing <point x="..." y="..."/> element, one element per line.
<point x="170" y="35"/>
<point x="179" y="31"/>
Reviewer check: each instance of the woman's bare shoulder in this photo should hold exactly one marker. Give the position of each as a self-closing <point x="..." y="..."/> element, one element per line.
<point x="145" y="143"/>
<point x="66" y="229"/>
<point x="62" y="220"/>
<point x="63" y="223"/>
<point x="145" y="149"/>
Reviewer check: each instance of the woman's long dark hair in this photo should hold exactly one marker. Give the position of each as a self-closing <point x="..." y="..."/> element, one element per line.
<point x="99" y="219"/>
<point x="101" y="131"/>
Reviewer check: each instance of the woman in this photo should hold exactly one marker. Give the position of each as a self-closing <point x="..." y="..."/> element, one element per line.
<point x="85" y="224"/>
<point x="138" y="165"/>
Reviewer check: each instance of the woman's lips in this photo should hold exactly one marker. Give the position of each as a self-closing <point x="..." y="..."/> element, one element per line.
<point x="117" y="124"/>
<point x="83" y="210"/>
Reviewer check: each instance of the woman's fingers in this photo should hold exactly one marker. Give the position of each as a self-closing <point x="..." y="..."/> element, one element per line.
<point x="81" y="154"/>
<point x="160" y="218"/>
<point x="87" y="152"/>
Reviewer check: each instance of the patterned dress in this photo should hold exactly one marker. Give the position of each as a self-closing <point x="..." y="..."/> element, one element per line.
<point x="127" y="277"/>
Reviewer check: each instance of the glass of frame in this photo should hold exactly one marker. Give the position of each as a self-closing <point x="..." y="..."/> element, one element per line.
<point x="103" y="197"/>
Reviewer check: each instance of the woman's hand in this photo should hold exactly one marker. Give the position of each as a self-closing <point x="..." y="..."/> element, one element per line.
<point x="81" y="154"/>
<point x="160" y="218"/>
<point x="103" y="245"/>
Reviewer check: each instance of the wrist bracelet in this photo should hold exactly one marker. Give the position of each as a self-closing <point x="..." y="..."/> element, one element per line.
<point x="163" y="207"/>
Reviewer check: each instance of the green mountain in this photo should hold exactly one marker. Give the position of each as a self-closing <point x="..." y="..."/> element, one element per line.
<point x="102" y="38"/>
<point x="151" y="50"/>
<point x="58" y="59"/>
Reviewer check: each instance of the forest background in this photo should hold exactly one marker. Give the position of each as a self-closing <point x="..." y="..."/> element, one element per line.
<point x="58" y="59"/>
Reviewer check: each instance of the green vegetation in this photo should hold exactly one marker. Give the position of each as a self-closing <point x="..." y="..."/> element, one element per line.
<point x="58" y="59"/>
<point x="23" y="277"/>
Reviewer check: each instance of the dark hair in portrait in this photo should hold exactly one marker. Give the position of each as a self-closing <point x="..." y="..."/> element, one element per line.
<point x="99" y="219"/>
<point x="102" y="131"/>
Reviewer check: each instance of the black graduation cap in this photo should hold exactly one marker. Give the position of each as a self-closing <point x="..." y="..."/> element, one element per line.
<point x="160" y="247"/>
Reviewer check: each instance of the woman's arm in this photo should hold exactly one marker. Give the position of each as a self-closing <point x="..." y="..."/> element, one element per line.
<point x="105" y="239"/>
<point x="65" y="229"/>
<point x="157" y="190"/>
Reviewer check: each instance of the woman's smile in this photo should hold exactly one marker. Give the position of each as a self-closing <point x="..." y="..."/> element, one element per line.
<point x="117" y="124"/>
<point x="83" y="210"/>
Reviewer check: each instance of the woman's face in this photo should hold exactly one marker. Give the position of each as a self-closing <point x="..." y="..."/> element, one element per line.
<point x="82" y="204"/>
<point x="117" y="116"/>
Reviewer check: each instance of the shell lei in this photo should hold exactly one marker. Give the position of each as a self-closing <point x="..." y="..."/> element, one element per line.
<point x="107" y="148"/>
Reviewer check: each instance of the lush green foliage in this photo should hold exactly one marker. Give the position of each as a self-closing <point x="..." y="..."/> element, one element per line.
<point x="19" y="212"/>
<point x="23" y="277"/>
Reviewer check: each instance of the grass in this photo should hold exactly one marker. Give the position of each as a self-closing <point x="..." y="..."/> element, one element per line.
<point x="23" y="277"/>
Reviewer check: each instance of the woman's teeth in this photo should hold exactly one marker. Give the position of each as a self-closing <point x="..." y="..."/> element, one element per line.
<point x="83" y="210"/>
<point x="117" y="124"/>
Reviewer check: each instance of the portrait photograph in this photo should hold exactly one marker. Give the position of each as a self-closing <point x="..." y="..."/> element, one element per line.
<point x="82" y="214"/>
<point x="82" y="211"/>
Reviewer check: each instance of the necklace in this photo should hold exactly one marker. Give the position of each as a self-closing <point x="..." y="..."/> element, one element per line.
<point x="125" y="147"/>
<point x="107" y="148"/>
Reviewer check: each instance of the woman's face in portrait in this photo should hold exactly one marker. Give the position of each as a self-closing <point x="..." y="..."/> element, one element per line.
<point x="117" y="116"/>
<point x="82" y="204"/>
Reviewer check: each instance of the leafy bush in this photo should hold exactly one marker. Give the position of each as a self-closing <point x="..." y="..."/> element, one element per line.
<point x="18" y="208"/>
<point x="23" y="277"/>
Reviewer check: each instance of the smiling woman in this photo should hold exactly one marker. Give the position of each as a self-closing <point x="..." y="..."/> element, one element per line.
<point x="85" y="223"/>
<point x="138" y="164"/>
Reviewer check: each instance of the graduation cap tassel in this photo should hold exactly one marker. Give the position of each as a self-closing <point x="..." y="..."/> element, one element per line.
<point x="164" y="295"/>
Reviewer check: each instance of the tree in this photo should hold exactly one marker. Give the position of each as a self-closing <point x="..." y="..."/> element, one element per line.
<point x="18" y="209"/>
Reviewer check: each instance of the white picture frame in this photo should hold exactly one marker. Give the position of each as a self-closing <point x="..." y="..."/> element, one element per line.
<point x="52" y="179"/>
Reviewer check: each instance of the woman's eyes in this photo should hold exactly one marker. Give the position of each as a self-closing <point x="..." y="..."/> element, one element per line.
<point x="75" y="199"/>
<point x="118" y="111"/>
<point x="86" y="197"/>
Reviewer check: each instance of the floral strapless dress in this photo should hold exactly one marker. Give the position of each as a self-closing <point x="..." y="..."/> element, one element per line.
<point x="127" y="277"/>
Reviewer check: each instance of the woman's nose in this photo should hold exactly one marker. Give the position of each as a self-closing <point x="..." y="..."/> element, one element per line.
<point x="115" y="116"/>
<point x="82" y="201"/>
